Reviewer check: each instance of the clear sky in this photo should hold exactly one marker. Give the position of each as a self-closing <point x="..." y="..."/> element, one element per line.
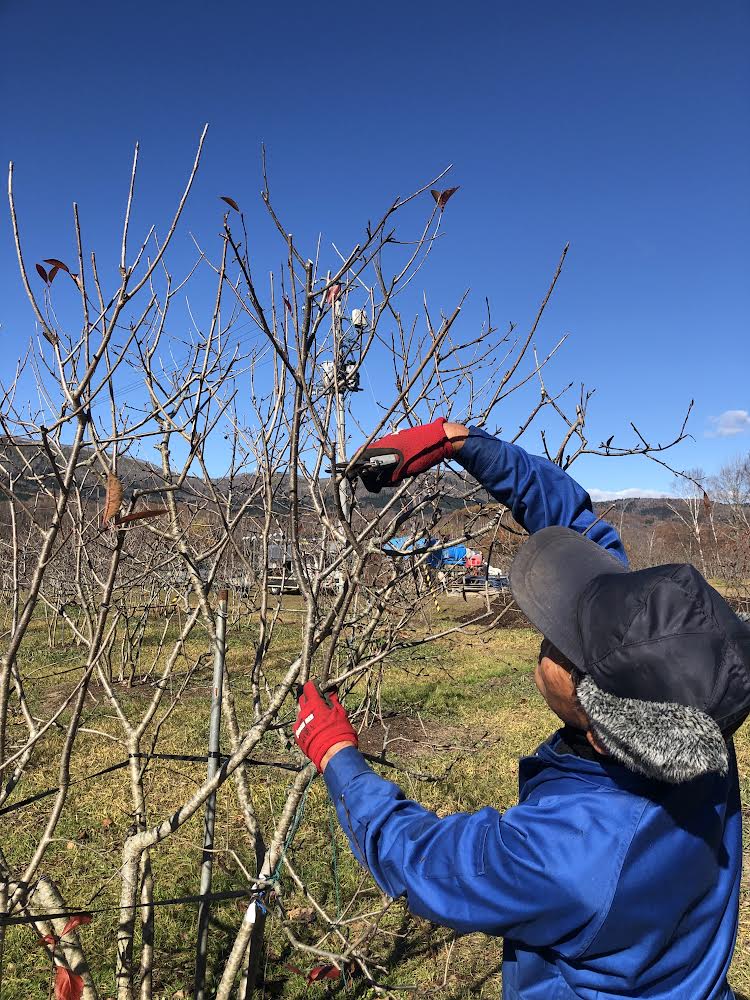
<point x="622" y="128"/>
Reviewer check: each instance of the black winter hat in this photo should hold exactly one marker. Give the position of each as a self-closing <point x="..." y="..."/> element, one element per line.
<point x="662" y="636"/>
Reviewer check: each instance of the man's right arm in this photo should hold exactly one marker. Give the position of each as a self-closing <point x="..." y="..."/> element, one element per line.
<point x="532" y="874"/>
<point x="538" y="492"/>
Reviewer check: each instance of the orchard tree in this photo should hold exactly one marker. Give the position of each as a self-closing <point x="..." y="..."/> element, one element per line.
<point x="111" y="562"/>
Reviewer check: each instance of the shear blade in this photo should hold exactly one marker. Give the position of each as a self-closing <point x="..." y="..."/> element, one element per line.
<point x="365" y="465"/>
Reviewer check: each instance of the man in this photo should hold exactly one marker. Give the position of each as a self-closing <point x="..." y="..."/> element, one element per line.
<point x="618" y="873"/>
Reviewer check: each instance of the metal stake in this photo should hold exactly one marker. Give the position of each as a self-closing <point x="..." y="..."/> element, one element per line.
<point x="204" y="908"/>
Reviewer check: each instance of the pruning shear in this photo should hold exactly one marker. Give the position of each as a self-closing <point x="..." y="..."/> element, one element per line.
<point x="323" y="692"/>
<point x="374" y="467"/>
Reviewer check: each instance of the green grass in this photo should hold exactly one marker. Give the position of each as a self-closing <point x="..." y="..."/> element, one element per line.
<point x="456" y="690"/>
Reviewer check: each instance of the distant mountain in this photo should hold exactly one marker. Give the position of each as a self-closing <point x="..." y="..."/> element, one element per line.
<point x="28" y="460"/>
<point x="30" y="467"/>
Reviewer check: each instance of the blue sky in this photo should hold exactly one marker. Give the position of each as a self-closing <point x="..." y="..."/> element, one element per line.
<point x="623" y="129"/>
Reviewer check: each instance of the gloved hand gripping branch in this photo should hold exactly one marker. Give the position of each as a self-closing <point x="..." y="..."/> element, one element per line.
<point x="321" y="723"/>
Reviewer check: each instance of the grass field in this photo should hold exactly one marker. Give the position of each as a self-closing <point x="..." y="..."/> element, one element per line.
<point x="452" y="694"/>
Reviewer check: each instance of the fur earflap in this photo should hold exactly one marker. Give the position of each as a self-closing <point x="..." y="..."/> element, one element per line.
<point x="663" y="740"/>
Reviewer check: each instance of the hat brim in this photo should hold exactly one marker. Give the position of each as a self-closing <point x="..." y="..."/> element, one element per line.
<point x="548" y="577"/>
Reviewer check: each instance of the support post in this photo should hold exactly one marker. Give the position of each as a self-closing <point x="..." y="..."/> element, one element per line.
<point x="214" y="747"/>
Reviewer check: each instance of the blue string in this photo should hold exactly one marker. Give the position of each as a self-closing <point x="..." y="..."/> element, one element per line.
<point x="276" y="874"/>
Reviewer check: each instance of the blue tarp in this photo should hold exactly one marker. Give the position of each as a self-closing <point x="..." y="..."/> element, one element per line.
<point x="407" y="544"/>
<point x="453" y="555"/>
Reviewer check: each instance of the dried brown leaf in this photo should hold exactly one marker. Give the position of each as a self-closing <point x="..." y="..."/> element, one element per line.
<point x="231" y="202"/>
<point x="42" y="274"/>
<point x="112" y="499"/>
<point x="441" y="197"/>
<point x="301" y="914"/>
<point x="141" y="515"/>
<point x="57" y="263"/>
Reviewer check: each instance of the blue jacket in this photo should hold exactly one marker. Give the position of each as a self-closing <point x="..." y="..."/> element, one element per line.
<point x="605" y="885"/>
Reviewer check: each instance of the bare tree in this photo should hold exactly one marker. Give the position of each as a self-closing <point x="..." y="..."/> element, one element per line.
<point x="730" y="489"/>
<point x="114" y="561"/>
<point x="694" y="511"/>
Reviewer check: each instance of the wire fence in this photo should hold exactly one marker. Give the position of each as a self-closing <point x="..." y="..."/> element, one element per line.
<point x="192" y="758"/>
<point x="197" y="898"/>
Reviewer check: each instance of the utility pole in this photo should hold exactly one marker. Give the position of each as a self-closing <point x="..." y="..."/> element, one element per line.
<point x="339" y="388"/>
<point x="344" y="377"/>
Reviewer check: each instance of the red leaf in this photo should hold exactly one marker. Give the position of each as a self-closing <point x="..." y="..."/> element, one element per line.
<point x="231" y="202"/>
<point x="42" y="274"/>
<point x="323" y="972"/>
<point x="139" y="515"/>
<point x="287" y="303"/>
<point x="333" y="293"/>
<point x="57" y="263"/>
<point x="50" y="939"/>
<point x="294" y="968"/>
<point x="52" y="273"/>
<point x="68" y="985"/>
<point x="76" y="921"/>
<point x="441" y="197"/>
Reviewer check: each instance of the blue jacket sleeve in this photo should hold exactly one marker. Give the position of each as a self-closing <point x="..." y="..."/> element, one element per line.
<point x="538" y="492"/>
<point x="505" y="875"/>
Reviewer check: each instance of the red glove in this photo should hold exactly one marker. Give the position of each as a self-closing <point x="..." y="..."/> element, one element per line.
<point x="321" y="722"/>
<point x="418" y="448"/>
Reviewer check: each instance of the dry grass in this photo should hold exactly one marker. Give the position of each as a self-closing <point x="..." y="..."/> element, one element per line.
<point x="454" y="691"/>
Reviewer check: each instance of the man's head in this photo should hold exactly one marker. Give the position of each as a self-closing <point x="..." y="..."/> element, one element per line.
<point x="654" y="665"/>
<point x="555" y="678"/>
